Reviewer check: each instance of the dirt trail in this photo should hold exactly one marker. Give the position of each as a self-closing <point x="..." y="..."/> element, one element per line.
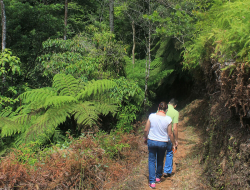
<point x="168" y="182"/>
<point x="188" y="172"/>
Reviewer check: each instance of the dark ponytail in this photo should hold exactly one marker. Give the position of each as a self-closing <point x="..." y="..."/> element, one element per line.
<point x="163" y="106"/>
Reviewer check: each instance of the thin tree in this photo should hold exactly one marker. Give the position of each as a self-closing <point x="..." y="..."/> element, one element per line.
<point x="111" y="15"/>
<point x="148" y="54"/>
<point x="133" y="50"/>
<point x="3" y="22"/>
<point x="65" y="20"/>
<point x="135" y="12"/>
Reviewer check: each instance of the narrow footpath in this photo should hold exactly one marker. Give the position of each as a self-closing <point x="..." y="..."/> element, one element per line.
<point x="188" y="172"/>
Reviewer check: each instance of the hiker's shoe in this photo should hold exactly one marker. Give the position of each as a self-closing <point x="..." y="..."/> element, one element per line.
<point x="152" y="185"/>
<point x="167" y="175"/>
<point x="157" y="180"/>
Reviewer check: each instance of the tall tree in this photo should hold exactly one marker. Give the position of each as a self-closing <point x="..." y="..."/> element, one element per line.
<point x="143" y="29"/>
<point x="133" y="50"/>
<point x="111" y="15"/>
<point x="65" y="20"/>
<point x="3" y="22"/>
<point x="148" y="54"/>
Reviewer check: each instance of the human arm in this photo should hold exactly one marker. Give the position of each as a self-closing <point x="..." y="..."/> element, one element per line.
<point x="170" y="134"/>
<point x="175" y="130"/>
<point x="146" y="131"/>
<point x="175" y="127"/>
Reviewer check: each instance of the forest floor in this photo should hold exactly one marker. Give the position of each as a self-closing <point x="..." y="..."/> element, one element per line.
<point x="188" y="173"/>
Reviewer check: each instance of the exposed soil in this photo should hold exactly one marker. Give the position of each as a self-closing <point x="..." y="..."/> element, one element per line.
<point x="188" y="172"/>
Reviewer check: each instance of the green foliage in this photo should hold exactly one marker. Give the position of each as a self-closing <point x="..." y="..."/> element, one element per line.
<point x="64" y="74"/>
<point x="126" y="116"/>
<point x="26" y="154"/>
<point x="157" y="72"/>
<point x="109" y="51"/>
<point x="9" y="69"/>
<point x="69" y="57"/>
<point x="177" y="19"/>
<point x="92" y="88"/>
<point x="9" y="64"/>
<point x="94" y="54"/>
<point x="130" y="97"/>
<point x="111" y="143"/>
<point x="9" y="72"/>
<point x="222" y="34"/>
<point x="28" y="25"/>
<point x="43" y="110"/>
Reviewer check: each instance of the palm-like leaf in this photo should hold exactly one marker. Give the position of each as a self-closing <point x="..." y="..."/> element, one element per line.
<point x="57" y="101"/>
<point x="43" y="110"/>
<point x="85" y="113"/>
<point x="8" y="127"/>
<point x="37" y="95"/>
<point x="67" y="85"/>
<point x="47" y="123"/>
<point x="95" y="87"/>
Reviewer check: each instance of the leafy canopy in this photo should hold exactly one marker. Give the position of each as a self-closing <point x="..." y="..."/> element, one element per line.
<point x="222" y="34"/>
<point x="93" y="54"/>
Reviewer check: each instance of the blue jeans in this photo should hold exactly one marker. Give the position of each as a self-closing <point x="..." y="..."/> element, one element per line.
<point x="169" y="159"/>
<point x="156" y="153"/>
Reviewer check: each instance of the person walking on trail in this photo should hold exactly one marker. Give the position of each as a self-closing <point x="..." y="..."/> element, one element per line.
<point x="157" y="133"/>
<point x="174" y="114"/>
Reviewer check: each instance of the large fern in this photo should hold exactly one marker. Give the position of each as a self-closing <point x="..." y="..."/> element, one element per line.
<point x="222" y="34"/>
<point x="157" y="72"/>
<point x="95" y="87"/>
<point x="66" y="85"/>
<point x="43" y="110"/>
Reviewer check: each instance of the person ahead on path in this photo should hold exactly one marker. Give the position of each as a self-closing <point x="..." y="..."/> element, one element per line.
<point x="174" y="114"/>
<point x="156" y="135"/>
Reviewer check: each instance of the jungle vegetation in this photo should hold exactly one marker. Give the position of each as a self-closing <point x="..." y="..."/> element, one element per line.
<point x="68" y="68"/>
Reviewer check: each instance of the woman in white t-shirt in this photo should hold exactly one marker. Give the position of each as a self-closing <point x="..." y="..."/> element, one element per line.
<point x="156" y="135"/>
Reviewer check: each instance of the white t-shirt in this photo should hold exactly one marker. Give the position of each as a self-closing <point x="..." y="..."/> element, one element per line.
<point x="159" y="127"/>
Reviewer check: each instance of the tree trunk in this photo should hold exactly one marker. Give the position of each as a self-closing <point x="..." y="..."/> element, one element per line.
<point x="65" y="20"/>
<point x="149" y="57"/>
<point x="149" y="39"/>
<point x="3" y="22"/>
<point x="111" y="15"/>
<point x="149" y="47"/>
<point x="146" y="83"/>
<point x="3" y="25"/>
<point x="133" y="50"/>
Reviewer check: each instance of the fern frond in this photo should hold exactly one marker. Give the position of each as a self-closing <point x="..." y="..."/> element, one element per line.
<point x="157" y="78"/>
<point x="16" y="124"/>
<point x="95" y="87"/>
<point x="44" y="126"/>
<point x="58" y="136"/>
<point x="8" y="127"/>
<point x="106" y="108"/>
<point x="6" y="113"/>
<point x="20" y="139"/>
<point x="37" y="95"/>
<point x="156" y="63"/>
<point x="85" y="113"/>
<point x="24" y="119"/>
<point x="57" y="101"/>
<point x="67" y="85"/>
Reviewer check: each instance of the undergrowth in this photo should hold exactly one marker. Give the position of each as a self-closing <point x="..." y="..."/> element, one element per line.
<point x="90" y="162"/>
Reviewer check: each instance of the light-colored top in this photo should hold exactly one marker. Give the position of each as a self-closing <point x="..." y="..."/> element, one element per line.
<point x="173" y="113"/>
<point x="158" y="127"/>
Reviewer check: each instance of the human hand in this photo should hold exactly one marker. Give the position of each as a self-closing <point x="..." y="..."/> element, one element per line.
<point x="145" y="141"/>
<point x="174" y="149"/>
<point x="176" y="143"/>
